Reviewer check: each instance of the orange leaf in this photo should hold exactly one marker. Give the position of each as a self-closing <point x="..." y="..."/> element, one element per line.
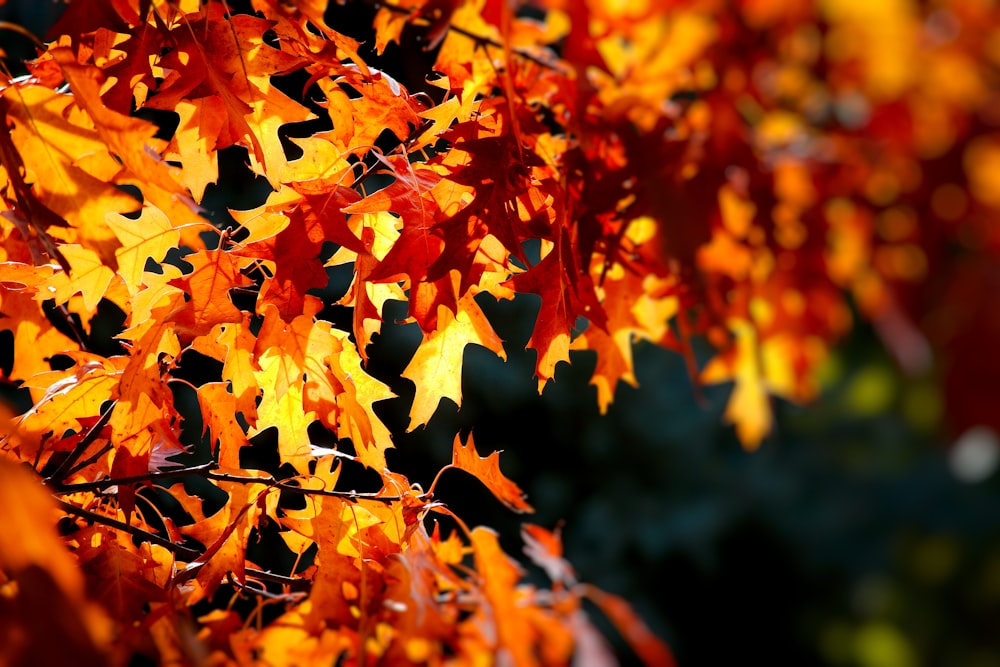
<point x="218" y="409"/>
<point x="88" y="275"/>
<point x="500" y="576"/>
<point x="545" y="550"/>
<point x="215" y="273"/>
<point x="650" y="648"/>
<point x="35" y="338"/>
<point x="48" y="599"/>
<point x="487" y="471"/>
<point x="131" y="140"/>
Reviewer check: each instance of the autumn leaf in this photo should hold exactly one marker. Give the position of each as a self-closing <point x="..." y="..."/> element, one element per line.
<point x="121" y="577"/>
<point x="487" y="471"/>
<point x="207" y="286"/>
<point x="224" y="535"/>
<point x="68" y="165"/>
<point x="35" y="337"/>
<point x="63" y="399"/>
<point x="566" y="294"/>
<point x="44" y="587"/>
<point x="306" y="373"/>
<point x="545" y="550"/>
<point x="665" y="175"/>
<point x="647" y="646"/>
<point x="218" y="406"/>
<point x="436" y="366"/>
<point x="378" y="232"/>
<point x="148" y="238"/>
<point x="358" y="121"/>
<point x="514" y="638"/>
<point x="233" y="344"/>
<point x="418" y="245"/>
<point x="88" y="276"/>
<point x="122" y="135"/>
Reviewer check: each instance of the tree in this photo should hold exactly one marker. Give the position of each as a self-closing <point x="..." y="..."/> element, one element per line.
<point x="648" y="173"/>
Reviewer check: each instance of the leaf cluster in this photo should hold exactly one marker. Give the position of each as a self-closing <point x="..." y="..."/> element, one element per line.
<point x="649" y="173"/>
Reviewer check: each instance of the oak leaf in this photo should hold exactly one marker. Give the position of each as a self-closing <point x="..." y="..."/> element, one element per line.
<point x="218" y="409"/>
<point x="36" y="339"/>
<point x="225" y="58"/>
<point x="566" y="295"/>
<point x="207" y="287"/>
<point x="487" y="471"/>
<point x="436" y="367"/>
<point x="514" y="635"/>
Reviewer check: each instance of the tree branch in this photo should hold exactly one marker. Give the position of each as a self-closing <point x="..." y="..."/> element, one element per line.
<point x="90" y="459"/>
<point x="81" y="447"/>
<point x="264" y="593"/>
<point x="293" y="488"/>
<point x="101" y="484"/>
<point x="208" y="471"/>
<point x="180" y="550"/>
<point x="292" y="583"/>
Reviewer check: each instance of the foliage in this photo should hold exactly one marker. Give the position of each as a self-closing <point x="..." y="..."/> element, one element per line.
<point x="738" y="174"/>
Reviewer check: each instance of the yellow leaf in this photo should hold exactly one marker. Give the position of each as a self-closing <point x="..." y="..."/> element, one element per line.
<point x="88" y="276"/>
<point x="436" y="367"/>
<point x="149" y="237"/>
<point x="749" y="407"/>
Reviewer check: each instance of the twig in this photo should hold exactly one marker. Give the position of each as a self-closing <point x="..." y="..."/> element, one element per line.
<point x="85" y="442"/>
<point x="263" y="592"/>
<point x="134" y="479"/>
<point x="208" y="471"/>
<point x="178" y="549"/>
<point x="90" y="459"/>
<point x="292" y="488"/>
<point x="292" y="583"/>
<point x="67" y="317"/>
<point x="24" y="32"/>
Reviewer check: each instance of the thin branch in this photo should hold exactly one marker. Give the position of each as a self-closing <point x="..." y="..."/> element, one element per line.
<point x="208" y="471"/>
<point x="178" y="549"/>
<point x="263" y="592"/>
<point x="93" y="458"/>
<point x="430" y="491"/>
<point x="107" y="483"/>
<point x="67" y="317"/>
<point x="81" y="447"/>
<point x="293" y="488"/>
<point x="292" y="583"/>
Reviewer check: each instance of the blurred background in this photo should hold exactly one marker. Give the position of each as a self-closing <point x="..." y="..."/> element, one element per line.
<point x="864" y="532"/>
<point x="858" y="534"/>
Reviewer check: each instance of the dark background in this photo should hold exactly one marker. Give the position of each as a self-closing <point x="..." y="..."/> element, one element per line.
<point x="847" y="539"/>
